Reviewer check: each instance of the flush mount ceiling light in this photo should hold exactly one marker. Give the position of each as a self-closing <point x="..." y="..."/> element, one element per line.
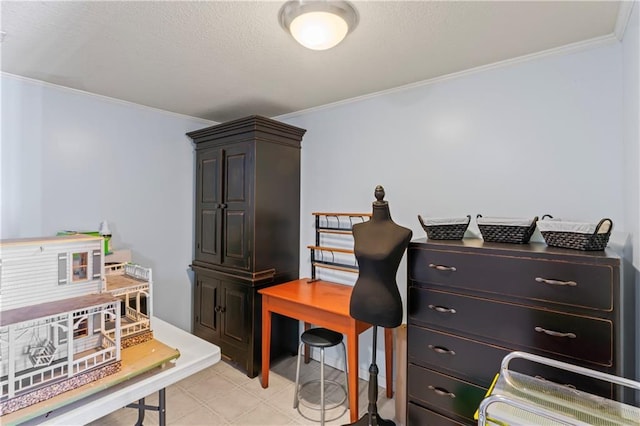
<point x="318" y="25"/>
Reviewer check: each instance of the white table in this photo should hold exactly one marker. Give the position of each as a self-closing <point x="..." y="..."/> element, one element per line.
<point x="195" y="355"/>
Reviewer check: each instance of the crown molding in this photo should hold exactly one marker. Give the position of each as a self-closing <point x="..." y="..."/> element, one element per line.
<point x="562" y="50"/>
<point x="624" y="15"/>
<point x="104" y="98"/>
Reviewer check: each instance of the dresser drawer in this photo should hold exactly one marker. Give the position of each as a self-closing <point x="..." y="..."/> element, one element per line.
<point x="573" y="336"/>
<point x="419" y="416"/>
<point x="472" y="360"/>
<point x="443" y="393"/>
<point x="588" y="286"/>
<point x="479" y="362"/>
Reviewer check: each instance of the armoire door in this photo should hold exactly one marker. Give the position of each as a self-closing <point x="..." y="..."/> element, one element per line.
<point x="206" y="320"/>
<point x="236" y="314"/>
<point x="208" y="206"/>
<point x="237" y="228"/>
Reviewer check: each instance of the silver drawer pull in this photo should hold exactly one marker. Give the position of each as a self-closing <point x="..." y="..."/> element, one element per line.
<point x="442" y="309"/>
<point x="556" y="282"/>
<point x="555" y="333"/>
<point x="442" y="267"/>
<point x="441" y="350"/>
<point x="442" y="392"/>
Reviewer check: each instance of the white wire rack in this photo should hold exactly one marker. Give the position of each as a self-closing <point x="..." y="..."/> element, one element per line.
<point x="518" y="399"/>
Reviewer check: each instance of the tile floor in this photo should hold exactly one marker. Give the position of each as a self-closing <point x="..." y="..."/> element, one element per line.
<point x="224" y="395"/>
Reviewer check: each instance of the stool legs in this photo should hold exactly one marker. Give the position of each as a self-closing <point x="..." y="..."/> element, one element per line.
<point x="295" y="394"/>
<point x="346" y="373"/>
<point x="322" y="386"/>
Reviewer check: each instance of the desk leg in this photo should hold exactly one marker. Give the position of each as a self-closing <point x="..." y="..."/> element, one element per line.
<point x="352" y="361"/>
<point x="266" y="342"/>
<point x="307" y="352"/>
<point x="388" y="358"/>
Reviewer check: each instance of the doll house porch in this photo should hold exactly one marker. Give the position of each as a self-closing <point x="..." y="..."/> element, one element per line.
<point x="63" y="321"/>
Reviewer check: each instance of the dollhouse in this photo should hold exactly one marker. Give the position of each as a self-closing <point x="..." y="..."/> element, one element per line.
<point x="63" y="319"/>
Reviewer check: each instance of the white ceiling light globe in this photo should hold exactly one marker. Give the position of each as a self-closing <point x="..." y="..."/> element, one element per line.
<point x="319" y="30"/>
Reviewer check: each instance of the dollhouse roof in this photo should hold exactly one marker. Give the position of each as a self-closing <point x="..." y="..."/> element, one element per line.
<point x="43" y="310"/>
<point x="57" y="238"/>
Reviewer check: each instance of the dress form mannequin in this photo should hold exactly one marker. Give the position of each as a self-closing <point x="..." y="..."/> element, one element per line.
<point x="379" y="245"/>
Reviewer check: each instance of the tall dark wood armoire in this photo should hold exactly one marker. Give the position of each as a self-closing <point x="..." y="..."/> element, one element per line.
<point x="247" y="233"/>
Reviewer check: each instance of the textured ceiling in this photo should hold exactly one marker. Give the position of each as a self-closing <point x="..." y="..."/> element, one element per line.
<point x="223" y="60"/>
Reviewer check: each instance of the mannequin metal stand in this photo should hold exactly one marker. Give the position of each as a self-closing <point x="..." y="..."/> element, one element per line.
<point x="372" y="418"/>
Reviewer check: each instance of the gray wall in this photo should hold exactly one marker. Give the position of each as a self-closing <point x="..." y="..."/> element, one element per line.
<point x="520" y="140"/>
<point x="631" y="126"/>
<point x="71" y="160"/>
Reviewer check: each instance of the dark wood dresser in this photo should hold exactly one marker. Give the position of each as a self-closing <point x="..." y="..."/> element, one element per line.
<point x="247" y="233"/>
<point x="470" y="303"/>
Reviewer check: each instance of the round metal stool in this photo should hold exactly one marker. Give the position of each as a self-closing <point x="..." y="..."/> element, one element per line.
<point x="321" y="338"/>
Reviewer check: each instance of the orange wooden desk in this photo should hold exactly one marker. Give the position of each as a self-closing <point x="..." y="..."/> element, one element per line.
<point x="324" y="304"/>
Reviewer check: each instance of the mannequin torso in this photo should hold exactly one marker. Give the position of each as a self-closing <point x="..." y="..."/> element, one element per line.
<point x="379" y="245"/>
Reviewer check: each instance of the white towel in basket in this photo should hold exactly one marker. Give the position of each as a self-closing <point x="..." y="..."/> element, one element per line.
<point x="557" y="225"/>
<point x="435" y="221"/>
<point x="504" y="221"/>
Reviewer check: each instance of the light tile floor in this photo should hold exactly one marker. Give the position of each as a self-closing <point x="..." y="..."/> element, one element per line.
<point x="224" y="395"/>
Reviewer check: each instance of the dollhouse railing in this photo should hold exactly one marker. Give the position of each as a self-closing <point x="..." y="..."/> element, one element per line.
<point x="114" y="268"/>
<point x="134" y="328"/>
<point x="131" y="269"/>
<point x="98" y="358"/>
<point x="129" y="329"/>
<point x="108" y="342"/>
<point x="34" y="379"/>
<point x="132" y="289"/>
<point x="138" y="272"/>
<point x="134" y="315"/>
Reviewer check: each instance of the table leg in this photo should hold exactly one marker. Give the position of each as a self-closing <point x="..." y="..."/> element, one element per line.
<point x="266" y="342"/>
<point x="307" y="352"/>
<point x="162" y="407"/>
<point x="352" y="361"/>
<point x="388" y="358"/>
<point x="141" y="409"/>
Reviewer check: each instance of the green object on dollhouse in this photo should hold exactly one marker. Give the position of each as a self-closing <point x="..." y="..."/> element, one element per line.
<point x="103" y="232"/>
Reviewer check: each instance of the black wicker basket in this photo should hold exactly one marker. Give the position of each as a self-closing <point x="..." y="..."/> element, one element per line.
<point x="595" y="241"/>
<point x="507" y="233"/>
<point x="449" y="231"/>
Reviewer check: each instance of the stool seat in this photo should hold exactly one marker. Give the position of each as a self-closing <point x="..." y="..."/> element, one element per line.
<point x="321" y="337"/>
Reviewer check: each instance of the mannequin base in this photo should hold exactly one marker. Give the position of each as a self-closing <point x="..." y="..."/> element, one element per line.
<point x="375" y="420"/>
